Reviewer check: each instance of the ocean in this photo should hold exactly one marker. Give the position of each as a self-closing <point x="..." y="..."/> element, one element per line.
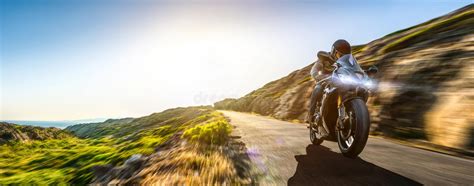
<point x="57" y="124"/>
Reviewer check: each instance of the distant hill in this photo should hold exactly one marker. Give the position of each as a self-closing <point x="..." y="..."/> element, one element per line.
<point x="10" y="132"/>
<point x="426" y="90"/>
<point x="124" y="126"/>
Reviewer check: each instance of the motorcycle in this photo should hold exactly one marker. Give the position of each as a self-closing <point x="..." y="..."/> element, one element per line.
<point x="342" y="113"/>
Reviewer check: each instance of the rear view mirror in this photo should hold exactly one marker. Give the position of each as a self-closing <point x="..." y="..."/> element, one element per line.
<point x="372" y="71"/>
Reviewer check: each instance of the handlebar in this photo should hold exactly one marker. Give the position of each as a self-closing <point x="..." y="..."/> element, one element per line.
<point x="323" y="80"/>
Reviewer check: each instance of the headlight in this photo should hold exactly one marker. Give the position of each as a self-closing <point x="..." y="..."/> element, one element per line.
<point x="348" y="80"/>
<point x="369" y="84"/>
<point x="355" y="81"/>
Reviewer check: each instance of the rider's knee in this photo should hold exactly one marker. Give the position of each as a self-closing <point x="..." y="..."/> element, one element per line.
<point x="317" y="88"/>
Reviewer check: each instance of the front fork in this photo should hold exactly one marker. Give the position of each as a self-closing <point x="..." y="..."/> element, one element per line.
<point x="341" y="110"/>
<point x="340" y="119"/>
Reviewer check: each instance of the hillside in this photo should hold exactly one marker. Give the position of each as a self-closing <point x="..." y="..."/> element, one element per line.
<point x="99" y="129"/>
<point x="178" y="143"/>
<point x="426" y="86"/>
<point x="10" y="132"/>
<point x="125" y="126"/>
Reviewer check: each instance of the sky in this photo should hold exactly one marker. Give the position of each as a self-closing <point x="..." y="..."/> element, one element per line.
<point x="81" y="59"/>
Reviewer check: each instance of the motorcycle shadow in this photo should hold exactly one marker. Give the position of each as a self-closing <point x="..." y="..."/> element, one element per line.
<point x="321" y="166"/>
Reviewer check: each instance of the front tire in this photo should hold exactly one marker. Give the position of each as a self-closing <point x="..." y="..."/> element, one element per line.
<point x="353" y="138"/>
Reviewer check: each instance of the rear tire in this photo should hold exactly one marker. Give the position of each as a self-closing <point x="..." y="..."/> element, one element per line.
<point x="360" y="129"/>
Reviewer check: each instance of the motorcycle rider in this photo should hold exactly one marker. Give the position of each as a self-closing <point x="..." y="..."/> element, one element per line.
<point x="321" y="69"/>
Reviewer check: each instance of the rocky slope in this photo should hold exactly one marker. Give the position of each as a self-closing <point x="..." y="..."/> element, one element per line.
<point x="10" y="132"/>
<point x="426" y="84"/>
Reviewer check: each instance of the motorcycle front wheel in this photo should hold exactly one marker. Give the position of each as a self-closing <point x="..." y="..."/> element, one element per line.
<point x="353" y="137"/>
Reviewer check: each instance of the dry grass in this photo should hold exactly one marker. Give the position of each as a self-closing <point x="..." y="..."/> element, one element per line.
<point x="197" y="155"/>
<point x="190" y="166"/>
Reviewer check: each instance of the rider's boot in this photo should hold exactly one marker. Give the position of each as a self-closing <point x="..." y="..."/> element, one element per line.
<point x="309" y="119"/>
<point x="311" y="115"/>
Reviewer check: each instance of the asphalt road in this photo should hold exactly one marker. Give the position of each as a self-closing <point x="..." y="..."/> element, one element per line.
<point x="281" y="154"/>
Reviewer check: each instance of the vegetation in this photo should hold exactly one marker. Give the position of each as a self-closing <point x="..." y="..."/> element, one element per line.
<point x="70" y="160"/>
<point x="67" y="160"/>
<point x="214" y="133"/>
<point x="424" y="29"/>
<point x="127" y="126"/>
<point x="193" y="166"/>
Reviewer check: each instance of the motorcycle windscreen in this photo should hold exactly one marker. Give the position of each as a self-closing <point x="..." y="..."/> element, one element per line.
<point x="350" y="67"/>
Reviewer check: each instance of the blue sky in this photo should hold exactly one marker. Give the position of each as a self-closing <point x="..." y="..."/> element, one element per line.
<point x="64" y="60"/>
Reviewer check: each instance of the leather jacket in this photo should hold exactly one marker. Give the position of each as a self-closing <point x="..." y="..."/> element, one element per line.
<point x="323" y="66"/>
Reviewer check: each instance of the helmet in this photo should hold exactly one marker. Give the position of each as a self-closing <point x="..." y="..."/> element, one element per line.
<point x="341" y="46"/>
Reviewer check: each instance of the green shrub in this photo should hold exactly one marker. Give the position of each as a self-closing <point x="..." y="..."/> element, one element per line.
<point x="212" y="133"/>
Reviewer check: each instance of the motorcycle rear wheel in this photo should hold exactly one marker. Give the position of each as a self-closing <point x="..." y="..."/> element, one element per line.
<point x="353" y="138"/>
